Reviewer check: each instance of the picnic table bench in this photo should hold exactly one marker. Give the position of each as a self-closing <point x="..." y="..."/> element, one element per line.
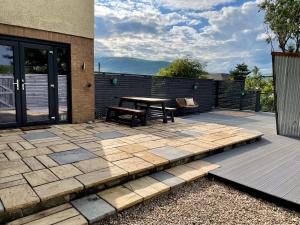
<point x="118" y="111"/>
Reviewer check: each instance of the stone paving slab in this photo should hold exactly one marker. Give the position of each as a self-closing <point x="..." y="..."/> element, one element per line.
<point x="168" y="179"/>
<point x="120" y="197"/>
<point x="17" y="197"/>
<point x="40" y="177"/>
<point x="93" y="208"/>
<point x="109" y="135"/>
<point x="186" y="173"/>
<point x="134" y="165"/>
<point x="90" y="165"/>
<point x="101" y="176"/>
<point x="152" y="158"/>
<point x="71" y="156"/>
<point x="170" y="153"/>
<point x="38" y="135"/>
<point x="58" y="188"/>
<point x="65" y="171"/>
<point x="147" y="187"/>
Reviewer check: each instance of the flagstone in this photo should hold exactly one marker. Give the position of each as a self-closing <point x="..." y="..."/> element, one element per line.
<point x="90" y="145"/>
<point x="168" y="179"/>
<point x="109" y="135"/>
<point x="15" y="146"/>
<point x="171" y="153"/>
<point x="9" y="168"/>
<point x="12" y="155"/>
<point x="132" y="148"/>
<point x="147" y="187"/>
<point x="58" y="188"/>
<point x="90" y="165"/>
<point x="93" y="208"/>
<point x="46" y="161"/>
<point x="134" y="165"/>
<point x="26" y="145"/>
<point x="186" y="173"/>
<point x="152" y="158"/>
<point x="76" y="220"/>
<point x="33" y="163"/>
<point x="63" y="147"/>
<point x="194" y="149"/>
<point x="38" y="135"/>
<point x="202" y="165"/>
<point x="40" y="177"/>
<point x="34" y="152"/>
<point x="65" y="171"/>
<point x="101" y="176"/>
<point x="120" y="197"/>
<point x="40" y="215"/>
<point x="117" y="156"/>
<point x="18" y="197"/>
<point x="71" y="156"/>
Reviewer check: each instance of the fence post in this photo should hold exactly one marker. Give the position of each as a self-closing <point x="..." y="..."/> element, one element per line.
<point x="257" y="101"/>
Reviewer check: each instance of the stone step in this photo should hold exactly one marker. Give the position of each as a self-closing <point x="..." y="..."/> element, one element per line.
<point x="58" y="180"/>
<point x="95" y="207"/>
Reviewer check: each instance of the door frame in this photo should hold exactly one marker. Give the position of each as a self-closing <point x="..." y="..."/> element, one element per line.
<point x="50" y="80"/>
<point x="17" y="44"/>
<point x="16" y="75"/>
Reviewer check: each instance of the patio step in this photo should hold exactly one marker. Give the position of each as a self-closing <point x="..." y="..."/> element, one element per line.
<point x="95" y="207"/>
<point x="37" y="182"/>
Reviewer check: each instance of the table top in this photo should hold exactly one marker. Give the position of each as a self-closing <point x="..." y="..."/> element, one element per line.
<point x="144" y="99"/>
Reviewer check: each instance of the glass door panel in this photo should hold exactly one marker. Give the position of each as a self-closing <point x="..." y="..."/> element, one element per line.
<point x="7" y="85"/>
<point x="62" y="81"/>
<point x="36" y="84"/>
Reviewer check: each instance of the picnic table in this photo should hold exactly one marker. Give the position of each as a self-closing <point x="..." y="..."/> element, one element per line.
<point x="148" y="102"/>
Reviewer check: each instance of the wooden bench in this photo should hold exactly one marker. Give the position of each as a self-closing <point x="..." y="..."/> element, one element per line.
<point x="118" y="111"/>
<point x="169" y="111"/>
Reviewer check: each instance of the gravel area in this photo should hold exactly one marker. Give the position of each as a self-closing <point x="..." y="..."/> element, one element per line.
<point x="205" y="202"/>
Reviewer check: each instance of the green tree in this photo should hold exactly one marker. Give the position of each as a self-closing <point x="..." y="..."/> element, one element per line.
<point x="256" y="82"/>
<point x="283" y="18"/>
<point x="240" y="72"/>
<point x="184" y="68"/>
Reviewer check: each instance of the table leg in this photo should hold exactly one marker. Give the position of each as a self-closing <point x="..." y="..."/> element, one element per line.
<point x="120" y="103"/>
<point x="147" y="113"/>
<point x="165" y="119"/>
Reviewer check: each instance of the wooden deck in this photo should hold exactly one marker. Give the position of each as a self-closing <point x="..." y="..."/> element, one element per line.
<point x="271" y="166"/>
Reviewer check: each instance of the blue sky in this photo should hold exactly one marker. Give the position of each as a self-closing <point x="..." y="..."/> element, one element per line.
<point x="220" y="33"/>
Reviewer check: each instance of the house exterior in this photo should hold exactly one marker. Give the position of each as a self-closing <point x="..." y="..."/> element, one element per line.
<point x="46" y="62"/>
<point x="218" y="76"/>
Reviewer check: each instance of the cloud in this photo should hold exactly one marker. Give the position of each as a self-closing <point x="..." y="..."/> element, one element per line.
<point x="220" y="37"/>
<point x="192" y="4"/>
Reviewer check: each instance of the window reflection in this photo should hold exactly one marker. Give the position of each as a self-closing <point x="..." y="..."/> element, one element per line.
<point x="7" y="89"/>
<point x="62" y="65"/>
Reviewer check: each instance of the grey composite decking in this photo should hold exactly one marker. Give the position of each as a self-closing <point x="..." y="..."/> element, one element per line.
<point x="270" y="166"/>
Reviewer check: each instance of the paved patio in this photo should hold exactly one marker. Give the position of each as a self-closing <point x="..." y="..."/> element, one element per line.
<point x="43" y="165"/>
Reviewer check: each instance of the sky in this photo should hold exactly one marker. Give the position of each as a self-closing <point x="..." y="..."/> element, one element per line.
<point x="220" y="33"/>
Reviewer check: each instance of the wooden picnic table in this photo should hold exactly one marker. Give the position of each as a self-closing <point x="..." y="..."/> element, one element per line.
<point x="148" y="102"/>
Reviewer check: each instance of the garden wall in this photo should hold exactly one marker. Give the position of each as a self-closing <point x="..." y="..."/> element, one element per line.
<point x="208" y="93"/>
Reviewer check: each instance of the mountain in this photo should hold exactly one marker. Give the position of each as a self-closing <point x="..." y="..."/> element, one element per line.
<point x="129" y="65"/>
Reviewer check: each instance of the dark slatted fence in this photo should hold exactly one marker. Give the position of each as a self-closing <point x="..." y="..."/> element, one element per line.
<point x="208" y="93"/>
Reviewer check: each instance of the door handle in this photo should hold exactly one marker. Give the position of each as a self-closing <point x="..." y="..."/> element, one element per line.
<point x="17" y="84"/>
<point x="23" y="85"/>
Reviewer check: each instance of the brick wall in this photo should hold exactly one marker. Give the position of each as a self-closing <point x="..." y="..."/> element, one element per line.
<point x="82" y="50"/>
